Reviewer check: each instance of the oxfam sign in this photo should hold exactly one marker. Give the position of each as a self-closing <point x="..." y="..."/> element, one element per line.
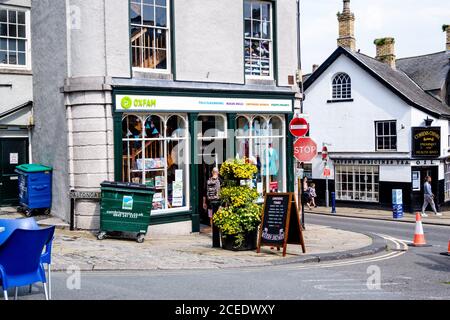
<point x="127" y="103"/>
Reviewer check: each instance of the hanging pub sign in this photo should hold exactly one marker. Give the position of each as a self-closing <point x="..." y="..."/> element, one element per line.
<point x="426" y="142"/>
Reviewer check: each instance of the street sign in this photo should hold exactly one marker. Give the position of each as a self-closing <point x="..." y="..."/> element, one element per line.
<point x="299" y="127"/>
<point x="305" y="149"/>
<point x="324" y="153"/>
<point x="327" y="172"/>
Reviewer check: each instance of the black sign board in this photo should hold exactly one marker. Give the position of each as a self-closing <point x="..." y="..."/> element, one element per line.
<point x="280" y="222"/>
<point x="426" y="142"/>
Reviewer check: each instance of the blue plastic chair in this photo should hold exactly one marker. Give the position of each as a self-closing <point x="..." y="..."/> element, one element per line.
<point x="11" y="225"/>
<point x="20" y="259"/>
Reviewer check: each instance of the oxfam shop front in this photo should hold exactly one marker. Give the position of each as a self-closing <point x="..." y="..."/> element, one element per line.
<point x="172" y="141"/>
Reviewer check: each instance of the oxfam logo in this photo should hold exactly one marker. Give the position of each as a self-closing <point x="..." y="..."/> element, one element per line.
<point x="126" y="103"/>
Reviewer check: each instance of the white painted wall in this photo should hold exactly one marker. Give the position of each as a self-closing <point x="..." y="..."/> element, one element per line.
<point x="349" y="127"/>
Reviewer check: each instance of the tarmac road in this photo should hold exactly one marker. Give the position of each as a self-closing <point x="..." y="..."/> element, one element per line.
<point x="404" y="273"/>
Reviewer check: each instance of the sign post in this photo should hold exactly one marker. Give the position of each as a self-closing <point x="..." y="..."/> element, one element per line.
<point x="280" y="224"/>
<point x="326" y="173"/>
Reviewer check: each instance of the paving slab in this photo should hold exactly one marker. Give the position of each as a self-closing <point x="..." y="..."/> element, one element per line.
<point x="83" y="250"/>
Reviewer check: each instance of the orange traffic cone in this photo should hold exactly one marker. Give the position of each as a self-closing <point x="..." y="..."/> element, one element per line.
<point x="419" y="237"/>
<point x="448" y="250"/>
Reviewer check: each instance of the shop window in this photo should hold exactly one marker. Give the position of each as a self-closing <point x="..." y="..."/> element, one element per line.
<point x="357" y="183"/>
<point x="14" y="38"/>
<point x="386" y="135"/>
<point x="149" y="21"/>
<point x="342" y="87"/>
<point x="155" y="154"/>
<point x="260" y="141"/>
<point x="258" y="38"/>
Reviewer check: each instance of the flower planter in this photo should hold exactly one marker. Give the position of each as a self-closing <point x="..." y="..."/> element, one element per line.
<point x="249" y="243"/>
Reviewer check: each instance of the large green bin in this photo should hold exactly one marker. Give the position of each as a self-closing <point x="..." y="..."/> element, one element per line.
<point x="125" y="207"/>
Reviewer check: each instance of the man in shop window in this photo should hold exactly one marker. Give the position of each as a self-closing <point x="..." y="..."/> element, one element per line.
<point x="212" y="203"/>
<point x="428" y="197"/>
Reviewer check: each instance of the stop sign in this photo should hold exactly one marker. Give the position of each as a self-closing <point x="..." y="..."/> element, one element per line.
<point x="305" y="149"/>
<point x="299" y="127"/>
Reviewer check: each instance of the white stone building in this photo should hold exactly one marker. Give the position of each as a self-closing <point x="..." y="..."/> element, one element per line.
<point x="384" y="120"/>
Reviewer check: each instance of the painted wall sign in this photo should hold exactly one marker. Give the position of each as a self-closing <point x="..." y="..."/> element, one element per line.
<point x="129" y="103"/>
<point x="426" y="142"/>
<point x="84" y="195"/>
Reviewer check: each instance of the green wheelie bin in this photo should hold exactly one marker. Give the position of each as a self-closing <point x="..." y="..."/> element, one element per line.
<point x="125" y="207"/>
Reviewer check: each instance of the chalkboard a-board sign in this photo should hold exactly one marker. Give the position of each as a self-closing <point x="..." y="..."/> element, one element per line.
<point x="280" y="222"/>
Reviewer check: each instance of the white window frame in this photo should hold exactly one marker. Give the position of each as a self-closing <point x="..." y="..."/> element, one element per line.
<point x="384" y="136"/>
<point x="28" y="64"/>
<point x="335" y="86"/>
<point x="356" y="187"/>
<point x="282" y="137"/>
<point x="271" y="46"/>
<point x="164" y="118"/>
<point x="168" y="70"/>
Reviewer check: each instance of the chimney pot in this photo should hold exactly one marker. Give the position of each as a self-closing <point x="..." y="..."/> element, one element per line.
<point x="315" y="67"/>
<point x="386" y="51"/>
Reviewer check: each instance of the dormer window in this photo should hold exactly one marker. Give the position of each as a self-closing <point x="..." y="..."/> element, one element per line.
<point x="342" y="87"/>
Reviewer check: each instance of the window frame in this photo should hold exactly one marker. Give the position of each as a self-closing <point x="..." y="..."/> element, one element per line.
<point x="265" y="137"/>
<point x="383" y="136"/>
<point x="27" y="65"/>
<point x="168" y="30"/>
<point x="271" y="42"/>
<point x="353" y="171"/>
<point x="334" y="97"/>
<point x="165" y="139"/>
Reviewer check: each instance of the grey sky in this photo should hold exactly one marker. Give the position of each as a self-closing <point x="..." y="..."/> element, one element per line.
<point x="416" y="26"/>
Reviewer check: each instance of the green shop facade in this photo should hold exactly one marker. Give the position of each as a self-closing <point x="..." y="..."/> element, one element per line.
<point x="172" y="139"/>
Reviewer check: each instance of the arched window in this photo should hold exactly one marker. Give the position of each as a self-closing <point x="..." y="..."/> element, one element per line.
<point x="342" y="87"/>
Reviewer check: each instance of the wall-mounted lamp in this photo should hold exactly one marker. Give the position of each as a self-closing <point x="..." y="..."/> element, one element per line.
<point x="428" y="122"/>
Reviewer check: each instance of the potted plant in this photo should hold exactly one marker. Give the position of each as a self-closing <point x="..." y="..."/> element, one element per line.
<point x="239" y="216"/>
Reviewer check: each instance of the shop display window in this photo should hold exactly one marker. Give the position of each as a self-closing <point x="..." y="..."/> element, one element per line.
<point x="261" y="140"/>
<point x="357" y="183"/>
<point x="155" y="154"/>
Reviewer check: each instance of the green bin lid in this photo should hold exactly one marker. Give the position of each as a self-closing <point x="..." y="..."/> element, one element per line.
<point x="30" y="168"/>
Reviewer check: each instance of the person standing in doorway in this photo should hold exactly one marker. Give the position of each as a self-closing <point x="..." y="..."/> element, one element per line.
<point x="428" y="197"/>
<point x="212" y="203"/>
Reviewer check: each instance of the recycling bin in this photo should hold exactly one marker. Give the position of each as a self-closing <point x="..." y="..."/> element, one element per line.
<point x="35" y="188"/>
<point x="125" y="207"/>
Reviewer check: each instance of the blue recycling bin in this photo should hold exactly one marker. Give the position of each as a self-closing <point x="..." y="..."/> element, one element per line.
<point x="35" y="188"/>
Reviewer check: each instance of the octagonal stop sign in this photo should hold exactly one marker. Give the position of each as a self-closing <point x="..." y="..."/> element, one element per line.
<point x="305" y="149"/>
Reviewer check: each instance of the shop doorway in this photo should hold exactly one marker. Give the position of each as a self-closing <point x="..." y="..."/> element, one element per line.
<point x="418" y="179"/>
<point x="12" y="153"/>
<point x="211" y="154"/>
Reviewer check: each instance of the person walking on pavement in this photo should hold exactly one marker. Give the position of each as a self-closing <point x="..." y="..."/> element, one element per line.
<point x="428" y="198"/>
<point x="212" y="203"/>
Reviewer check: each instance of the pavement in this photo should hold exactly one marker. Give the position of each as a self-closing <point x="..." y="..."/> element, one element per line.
<point x="380" y="214"/>
<point x="83" y="250"/>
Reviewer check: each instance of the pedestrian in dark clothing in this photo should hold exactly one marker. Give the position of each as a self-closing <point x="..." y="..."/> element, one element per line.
<point x="212" y="203"/>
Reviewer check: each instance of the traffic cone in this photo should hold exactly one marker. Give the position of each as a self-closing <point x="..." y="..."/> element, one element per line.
<point x="419" y="237"/>
<point x="448" y="250"/>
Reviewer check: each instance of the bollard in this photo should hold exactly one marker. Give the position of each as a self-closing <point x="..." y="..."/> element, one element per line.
<point x="333" y="202"/>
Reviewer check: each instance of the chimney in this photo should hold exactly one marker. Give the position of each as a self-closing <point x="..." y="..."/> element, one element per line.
<point x="346" y="27"/>
<point x="386" y="51"/>
<point x="446" y="28"/>
<point x="315" y="67"/>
